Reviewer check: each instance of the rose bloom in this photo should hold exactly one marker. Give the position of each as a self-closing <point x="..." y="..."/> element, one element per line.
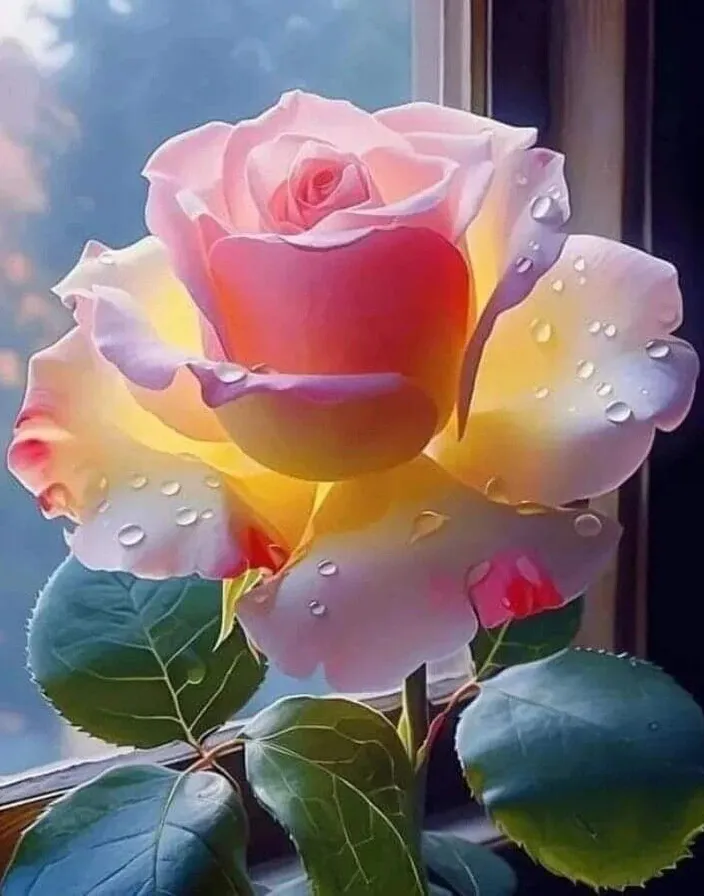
<point x="357" y="351"/>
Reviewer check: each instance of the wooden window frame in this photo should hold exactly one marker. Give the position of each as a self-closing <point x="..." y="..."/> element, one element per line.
<point x="545" y="61"/>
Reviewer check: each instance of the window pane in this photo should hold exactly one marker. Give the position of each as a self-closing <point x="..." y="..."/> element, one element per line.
<point x="87" y="90"/>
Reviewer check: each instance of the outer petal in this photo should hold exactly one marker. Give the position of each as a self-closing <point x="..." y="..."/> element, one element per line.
<point x="194" y="161"/>
<point x="142" y="271"/>
<point x="387" y="580"/>
<point x="298" y="424"/>
<point x="394" y="300"/>
<point x="332" y="121"/>
<point x="592" y="374"/>
<point x="141" y="510"/>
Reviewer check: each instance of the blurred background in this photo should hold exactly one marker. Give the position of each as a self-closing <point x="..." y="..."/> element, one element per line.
<point x="88" y="89"/>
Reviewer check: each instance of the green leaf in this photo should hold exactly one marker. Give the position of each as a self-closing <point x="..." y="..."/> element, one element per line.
<point x="131" y="661"/>
<point x="527" y="640"/>
<point x="233" y="590"/>
<point x="141" y="829"/>
<point x="465" y="868"/>
<point x="301" y="887"/>
<point x="336" y="776"/>
<point x="593" y="763"/>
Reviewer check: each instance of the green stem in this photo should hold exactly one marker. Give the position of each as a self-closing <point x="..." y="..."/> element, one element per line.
<point x="413" y="728"/>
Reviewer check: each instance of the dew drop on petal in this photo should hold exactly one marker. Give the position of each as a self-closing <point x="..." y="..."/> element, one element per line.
<point x="579" y="263"/>
<point x="170" y="488"/>
<point x="327" y="568"/>
<point x="478" y="573"/>
<point x="103" y="484"/>
<point x="138" y="480"/>
<point x="581" y="281"/>
<point x="495" y="490"/>
<point x="618" y="412"/>
<point x="103" y="506"/>
<point x="521" y="180"/>
<point x="533" y="246"/>
<point x="523" y="264"/>
<point x="212" y="482"/>
<point x="229" y="373"/>
<point x="316" y="608"/>
<point x="558" y="285"/>
<point x="196" y="672"/>
<point x="604" y="389"/>
<point x="585" y="369"/>
<point x="427" y="523"/>
<point x="610" y="331"/>
<point x="186" y="516"/>
<point x="546" y="209"/>
<point x="107" y="258"/>
<point x="541" y="331"/>
<point x="657" y="349"/>
<point x="542" y="392"/>
<point x="131" y="535"/>
<point x="588" y="525"/>
<point x="207" y="514"/>
<point x="594" y="327"/>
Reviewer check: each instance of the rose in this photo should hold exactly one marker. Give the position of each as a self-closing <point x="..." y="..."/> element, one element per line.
<point x="362" y="355"/>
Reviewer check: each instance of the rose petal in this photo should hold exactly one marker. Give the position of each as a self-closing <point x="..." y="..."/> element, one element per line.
<point x="593" y="374"/>
<point x="311" y="311"/>
<point x="194" y="160"/>
<point x="385" y="582"/>
<point x="332" y="121"/>
<point x="423" y="190"/>
<point x="431" y="128"/>
<point x="81" y="436"/>
<point x="300" y="425"/>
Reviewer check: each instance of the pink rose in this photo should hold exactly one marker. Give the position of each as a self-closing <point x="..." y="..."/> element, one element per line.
<point x="361" y="353"/>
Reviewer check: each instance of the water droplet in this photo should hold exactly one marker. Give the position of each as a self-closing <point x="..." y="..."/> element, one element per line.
<point x="657" y="349"/>
<point x="654" y="726"/>
<point x="131" y="535"/>
<point x="478" y="573"/>
<point x="523" y="264"/>
<point x="207" y="514"/>
<point x="521" y="180"/>
<point x="545" y="209"/>
<point x="316" y="608"/>
<point x="427" y="523"/>
<point x="588" y="525"/>
<point x="327" y="568"/>
<point x="554" y="192"/>
<point x="530" y="508"/>
<point x="495" y="490"/>
<point x="229" y="373"/>
<point x="579" y="263"/>
<point x="541" y="331"/>
<point x="558" y="285"/>
<point x="186" y="516"/>
<point x="610" y="331"/>
<point x="103" y="484"/>
<point x="107" y="258"/>
<point x="196" y="672"/>
<point x="533" y="246"/>
<point x="103" y="506"/>
<point x="581" y="281"/>
<point x="585" y="369"/>
<point x="542" y="392"/>
<point x="138" y="481"/>
<point x="528" y="570"/>
<point x="618" y="412"/>
<point x="212" y="482"/>
<point x="594" y="327"/>
<point x="644" y="392"/>
<point x="170" y="488"/>
<point x="604" y="389"/>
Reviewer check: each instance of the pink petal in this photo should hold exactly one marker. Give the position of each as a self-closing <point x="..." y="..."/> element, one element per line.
<point x="431" y="128"/>
<point x="594" y="373"/>
<point x="300" y="425"/>
<point x="386" y="581"/>
<point x="194" y="161"/>
<point x="389" y="300"/>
